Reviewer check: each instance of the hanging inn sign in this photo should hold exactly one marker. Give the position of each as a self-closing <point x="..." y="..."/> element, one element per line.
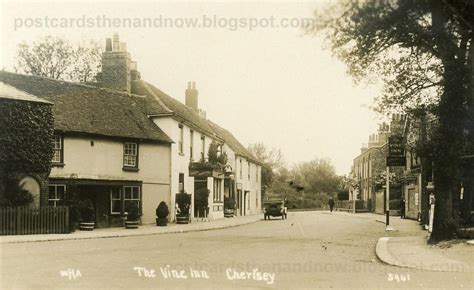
<point x="396" y="151"/>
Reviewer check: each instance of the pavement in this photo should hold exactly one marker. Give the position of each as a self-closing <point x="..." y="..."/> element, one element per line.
<point x="407" y="247"/>
<point x="143" y="230"/>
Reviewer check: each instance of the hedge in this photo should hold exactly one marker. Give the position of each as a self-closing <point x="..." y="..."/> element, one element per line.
<point x="26" y="134"/>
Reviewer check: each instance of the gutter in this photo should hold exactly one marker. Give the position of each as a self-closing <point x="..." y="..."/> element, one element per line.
<point x="161" y="115"/>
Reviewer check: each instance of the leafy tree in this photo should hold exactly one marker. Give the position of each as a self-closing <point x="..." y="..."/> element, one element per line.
<point x="317" y="176"/>
<point x="87" y="62"/>
<point x="26" y="147"/>
<point x="213" y="152"/>
<point x="281" y="184"/>
<point x="215" y="156"/>
<point x="343" y="194"/>
<point x="272" y="163"/>
<point x="423" y="52"/>
<point x="58" y="58"/>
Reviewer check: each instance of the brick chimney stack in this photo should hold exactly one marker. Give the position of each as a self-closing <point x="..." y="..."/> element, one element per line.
<point x="192" y="96"/>
<point x="116" y="65"/>
<point x="383" y="133"/>
<point x="373" y="140"/>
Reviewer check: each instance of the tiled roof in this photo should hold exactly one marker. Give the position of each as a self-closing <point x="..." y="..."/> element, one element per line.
<point x="88" y="109"/>
<point x="233" y="143"/>
<point x="11" y="93"/>
<point x="169" y="105"/>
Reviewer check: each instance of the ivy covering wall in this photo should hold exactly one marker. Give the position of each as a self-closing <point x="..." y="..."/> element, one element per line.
<point x="26" y="131"/>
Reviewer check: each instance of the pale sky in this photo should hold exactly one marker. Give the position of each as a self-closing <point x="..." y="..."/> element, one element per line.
<point x="270" y="84"/>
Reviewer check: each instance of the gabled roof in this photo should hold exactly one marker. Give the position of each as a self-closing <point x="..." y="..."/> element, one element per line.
<point x="233" y="143"/>
<point x="170" y="106"/>
<point x="11" y="93"/>
<point x="87" y="109"/>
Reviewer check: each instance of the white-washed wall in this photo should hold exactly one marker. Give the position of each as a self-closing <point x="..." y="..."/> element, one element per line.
<point x="102" y="159"/>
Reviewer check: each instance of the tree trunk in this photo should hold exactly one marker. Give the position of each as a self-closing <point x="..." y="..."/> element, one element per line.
<point x="452" y="117"/>
<point x="468" y="195"/>
<point x="468" y="174"/>
<point x="448" y="147"/>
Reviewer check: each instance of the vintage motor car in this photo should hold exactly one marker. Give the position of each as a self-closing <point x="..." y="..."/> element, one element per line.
<point x="274" y="208"/>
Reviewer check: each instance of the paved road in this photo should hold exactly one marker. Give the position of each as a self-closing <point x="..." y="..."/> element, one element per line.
<point x="308" y="250"/>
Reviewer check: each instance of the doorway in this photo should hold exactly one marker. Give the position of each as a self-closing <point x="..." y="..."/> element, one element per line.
<point x="100" y="197"/>
<point x="200" y="184"/>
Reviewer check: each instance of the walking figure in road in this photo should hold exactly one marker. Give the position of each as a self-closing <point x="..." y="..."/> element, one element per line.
<point x="331" y="203"/>
<point x="402" y="208"/>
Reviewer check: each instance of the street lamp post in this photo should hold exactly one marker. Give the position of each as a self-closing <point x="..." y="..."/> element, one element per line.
<point x="387" y="197"/>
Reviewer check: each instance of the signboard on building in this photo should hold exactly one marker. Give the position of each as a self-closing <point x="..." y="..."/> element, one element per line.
<point x="395" y="146"/>
<point x="396" y="161"/>
<point x="396" y="151"/>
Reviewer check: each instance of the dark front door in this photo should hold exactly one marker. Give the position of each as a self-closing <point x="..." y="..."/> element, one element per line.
<point x="239" y="201"/>
<point x="199" y="184"/>
<point x="100" y="197"/>
<point x="245" y="202"/>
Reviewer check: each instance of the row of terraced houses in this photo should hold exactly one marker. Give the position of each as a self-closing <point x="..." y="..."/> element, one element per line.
<point x="122" y="140"/>
<point x="411" y="185"/>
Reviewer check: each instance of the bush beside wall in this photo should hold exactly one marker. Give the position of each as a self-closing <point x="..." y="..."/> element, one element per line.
<point x="25" y="141"/>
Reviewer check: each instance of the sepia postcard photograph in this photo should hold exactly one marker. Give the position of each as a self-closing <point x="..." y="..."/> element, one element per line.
<point x="312" y="144"/>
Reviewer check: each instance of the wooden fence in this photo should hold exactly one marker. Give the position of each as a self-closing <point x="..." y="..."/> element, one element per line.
<point x="348" y="205"/>
<point x="29" y="221"/>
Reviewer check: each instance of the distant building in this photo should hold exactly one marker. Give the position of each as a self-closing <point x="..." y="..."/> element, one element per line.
<point x="369" y="168"/>
<point x="414" y="178"/>
<point x="417" y="178"/>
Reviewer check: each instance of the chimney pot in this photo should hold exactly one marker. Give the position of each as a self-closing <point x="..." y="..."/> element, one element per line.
<point x="116" y="42"/>
<point x="108" y="44"/>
